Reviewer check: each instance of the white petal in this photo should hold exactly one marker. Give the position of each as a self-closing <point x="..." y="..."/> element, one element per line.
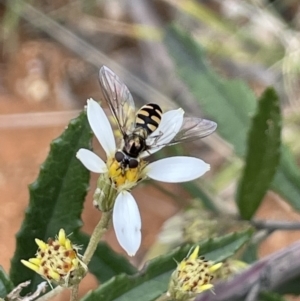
<point x="169" y="126"/>
<point x="91" y="161"/>
<point x="101" y="126"/>
<point x="127" y="222"/>
<point x="177" y="169"/>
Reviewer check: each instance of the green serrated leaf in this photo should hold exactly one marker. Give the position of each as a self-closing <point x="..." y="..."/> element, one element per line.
<point x="262" y="155"/>
<point x="153" y="280"/>
<point x="105" y="263"/>
<point x="228" y="102"/>
<point x="56" y="197"/>
<point x="5" y="284"/>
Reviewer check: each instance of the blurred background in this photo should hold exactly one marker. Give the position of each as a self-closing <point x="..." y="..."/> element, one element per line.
<point x="50" y="56"/>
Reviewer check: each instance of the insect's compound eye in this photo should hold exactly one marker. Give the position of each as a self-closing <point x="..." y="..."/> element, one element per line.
<point x="133" y="163"/>
<point x="119" y="156"/>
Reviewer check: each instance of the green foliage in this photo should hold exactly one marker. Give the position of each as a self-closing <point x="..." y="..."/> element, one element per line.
<point x="105" y="263"/>
<point x="5" y="284"/>
<point x="56" y="197"/>
<point x="198" y="193"/>
<point x="287" y="179"/>
<point x="250" y="254"/>
<point x="269" y="296"/>
<point x="262" y="155"/>
<point x="153" y="280"/>
<point x="290" y="287"/>
<point x="228" y="102"/>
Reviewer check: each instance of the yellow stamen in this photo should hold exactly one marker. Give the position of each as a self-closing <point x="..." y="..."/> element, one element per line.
<point x="35" y="261"/>
<point x="68" y="244"/>
<point x="215" y="267"/>
<point x="41" y="244"/>
<point x="54" y="275"/>
<point x="132" y="175"/>
<point x="205" y="287"/>
<point x="194" y="255"/>
<point x="75" y="262"/>
<point x="181" y="265"/>
<point x="30" y="265"/>
<point x="62" y="237"/>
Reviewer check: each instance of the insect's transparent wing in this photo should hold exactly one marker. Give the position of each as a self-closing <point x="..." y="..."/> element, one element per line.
<point x="194" y="128"/>
<point x="119" y="99"/>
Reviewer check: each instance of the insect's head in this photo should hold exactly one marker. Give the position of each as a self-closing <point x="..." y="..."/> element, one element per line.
<point x="125" y="160"/>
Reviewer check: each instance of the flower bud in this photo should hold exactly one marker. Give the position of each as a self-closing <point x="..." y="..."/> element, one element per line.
<point x="192" y="276"/>
<point x="58" y="261"/>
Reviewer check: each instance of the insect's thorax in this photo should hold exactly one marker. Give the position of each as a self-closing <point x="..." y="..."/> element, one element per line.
<point x="135" y="143"/>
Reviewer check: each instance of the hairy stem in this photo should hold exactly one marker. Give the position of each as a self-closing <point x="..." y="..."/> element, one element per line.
<point x="98" y="232"/>
<point x="100" y="229"/>
<point x="74" y="293"/>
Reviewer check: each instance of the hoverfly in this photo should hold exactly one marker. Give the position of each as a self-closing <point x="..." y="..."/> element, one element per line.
<point x="137" y="128"/>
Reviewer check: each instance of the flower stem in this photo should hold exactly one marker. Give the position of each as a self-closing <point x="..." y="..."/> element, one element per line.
<point x="74" y="293"/>
<point x="100" y="229"/>
<point x="163" y="297"/>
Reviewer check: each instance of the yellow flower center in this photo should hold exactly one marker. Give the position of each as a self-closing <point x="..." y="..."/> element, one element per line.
<point x="124" y="178"/>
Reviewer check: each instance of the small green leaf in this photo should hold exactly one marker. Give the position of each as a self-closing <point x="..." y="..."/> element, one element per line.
<point x="56" y="197"/>
<point x="105" y="263"/>
<point x="153" y="280"/>
<point x="6" y="285"/>
<point x="263" y="155"/>
<point x="228" y="102"/>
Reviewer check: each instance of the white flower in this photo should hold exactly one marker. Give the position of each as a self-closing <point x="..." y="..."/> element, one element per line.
<point x="126" y="216"/>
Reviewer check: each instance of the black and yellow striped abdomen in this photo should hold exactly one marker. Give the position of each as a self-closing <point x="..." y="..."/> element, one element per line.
<point x="148" y="117"/>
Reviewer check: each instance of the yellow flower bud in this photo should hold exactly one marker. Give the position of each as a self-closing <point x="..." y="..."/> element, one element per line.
<point x="192" y="276"/>
<point x="58" y="261"/>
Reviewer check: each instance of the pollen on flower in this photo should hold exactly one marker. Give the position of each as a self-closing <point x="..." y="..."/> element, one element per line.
<point x="192" y="276"/>
<point x="124" y="179"/>
<point x="58" y="260"/>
